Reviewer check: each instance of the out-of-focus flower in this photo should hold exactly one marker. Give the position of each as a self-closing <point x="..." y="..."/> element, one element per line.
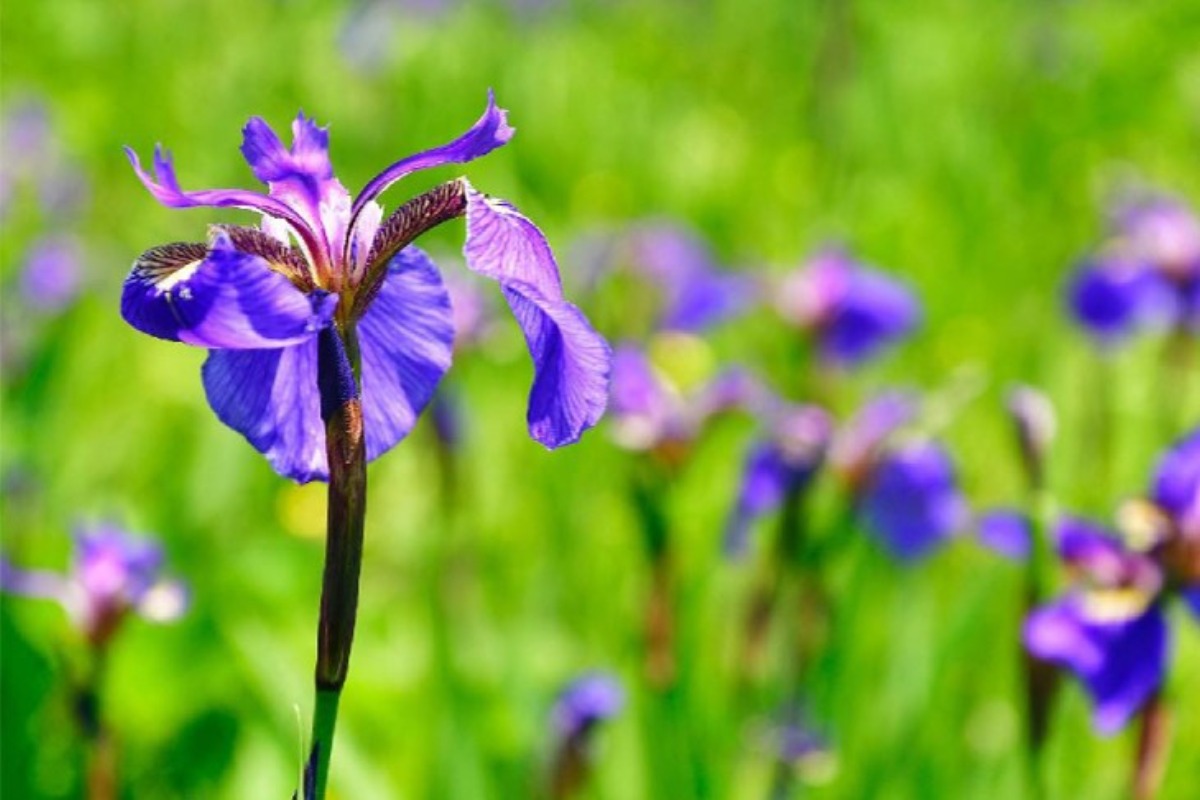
<point x="1114" y="296"/>
<point x="696" y="292"/>
<point x="1110" y="628"/>
<point x="1162" y="231"/>
<point x="651" y="412"/>
<point x="1007" y="532"/>
<point x="911" y="501"/>
<point x="852" y="310"/>
<point x="1033" y="416"/>
<point x="588" y="700"/>
<point x="859" y="444"/>
<point x="113" y="574"/>
<point x="277" y="306"/>
<point x="780" y="464"/>
<point x="51" y="275"/>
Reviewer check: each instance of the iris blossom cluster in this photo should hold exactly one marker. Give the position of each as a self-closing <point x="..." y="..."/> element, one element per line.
<point x="853" y="312"/>
<point x="1146" y="276"/>
<point x="113" y="574"/>
<point x="1110" y="628"/>
<point x="328" y="281"/>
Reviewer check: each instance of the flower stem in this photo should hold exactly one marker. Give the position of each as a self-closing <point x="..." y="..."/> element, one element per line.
<point x="1153" y="742"/>
<point x="337" y="365"/>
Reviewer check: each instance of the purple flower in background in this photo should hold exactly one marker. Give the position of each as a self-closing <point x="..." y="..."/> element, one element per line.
<point x="854" y="312"/>
<point x="1006" y="532"/>
<point x="113" y="573"/>
<point x="585" y="702"/>
<point x="1110" y="629"/>
<point x="51" y="275"/>
<point x="266" y="302"/>
<point x="782" y="463"/>
<point x="650" y="413"/>
<point x="911" y="501"/>
<point x="696" y="292"/>
<point x="1162" y="231"/>
<point x="858" y="445"/>
<point x="1113" y="297"/>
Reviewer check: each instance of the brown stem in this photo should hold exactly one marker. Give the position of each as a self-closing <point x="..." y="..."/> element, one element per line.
<point x="1153" y="744"/>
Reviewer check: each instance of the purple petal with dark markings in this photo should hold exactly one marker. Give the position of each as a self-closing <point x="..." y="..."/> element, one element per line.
<point x="224" y="300"/>
<point x="406" y="340"/>
<point x="571" y="361"/>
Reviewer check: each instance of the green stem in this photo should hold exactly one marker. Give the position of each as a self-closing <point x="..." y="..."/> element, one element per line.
<point x="346" y="514"/>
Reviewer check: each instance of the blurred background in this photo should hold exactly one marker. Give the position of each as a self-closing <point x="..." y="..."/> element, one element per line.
<point x="968" y="149"/>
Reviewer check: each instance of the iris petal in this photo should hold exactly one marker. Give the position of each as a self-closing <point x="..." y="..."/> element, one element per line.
<point x="271" y="398"/>
<point x="765" y="479"/>
<point x="489" y="132"/>
<point x="406" y="339"/>
<point x="571" y="361"/>
<point x="219" y="298"/>
<point x="1120" y="663"/>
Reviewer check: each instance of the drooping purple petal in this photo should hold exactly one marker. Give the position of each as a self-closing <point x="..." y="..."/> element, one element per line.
<point x="912" y="502"/>
<point x="406" y="339"/>
<point x="219" y="298"/>
<point x="571" y="361"/>
<point x="1006" y="532"/>
<point x="1121" y="663"/>
<point x="1113" y="297"/>
<point x="489" y="132"/>
<point x="874" y="312"/>
<point x="271" y="398"/>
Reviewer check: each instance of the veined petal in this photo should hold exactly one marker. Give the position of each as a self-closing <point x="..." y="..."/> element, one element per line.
<point x="571" y="361"/>
<point x="271" y="398"/>
<point x="489" y="132"/>
<point x="164" y="186"/>
<point x="219" y="297"/>
<point x="406" y="339"/>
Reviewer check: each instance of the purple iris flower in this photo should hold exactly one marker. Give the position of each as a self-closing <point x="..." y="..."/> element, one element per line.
<point x="585" y="702"/>
<point x="650" y="413"/>
<point x="264" y="300"/>
<point x="1114" y="296"/>
<point x="854" y="311"/>
<point x="911" y="501"/>
<point x="51" y="276"/>
<point x="1110" y="629"/>
<point x="782" y="463"/>
<point x="1176" y="488"/>
<point x="113" y="573"/>
<point x="697" y="293"/>
<point x="859" y="444"/>
<point x="1007" y="532"/>
<point x="1162" y="231"/>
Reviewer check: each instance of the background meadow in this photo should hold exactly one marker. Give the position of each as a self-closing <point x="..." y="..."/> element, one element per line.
<point x="967" y="148"/>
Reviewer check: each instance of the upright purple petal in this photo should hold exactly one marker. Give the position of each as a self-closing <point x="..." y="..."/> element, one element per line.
<point x="571" y="361"/>
<point x="912" y="502"/>
<point x="489" y="132"/>
<point x="589" y="699"/>
<point x="1163" y="231"/>
<point x="406" y="339"/>
<point x="1120" y="662"/>
<point x="271" y="398"/>
<point x="1006" y="532"/>
<point x="219" y="298"/>
<point x="300" y="177"/>
<point x="111" y="565"/>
